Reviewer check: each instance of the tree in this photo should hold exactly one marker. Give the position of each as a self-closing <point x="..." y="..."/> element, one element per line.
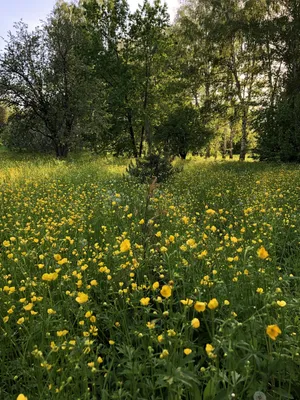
<point x="183" y="131"/>
<point x="43" y="74"/>
<point x="3" y="115"/>
<point x="279" y="122"/>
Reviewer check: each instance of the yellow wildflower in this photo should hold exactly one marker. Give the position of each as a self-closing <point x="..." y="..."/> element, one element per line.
<point x="164" y="354"/>
<point x="166" y="291"/>
<point x="273" y="331"/>
<point x="50" y="277"/>
<point x="125" y="246"/>
<point x="82" y="298"/>
<point x="195" y="323"/>
<point x="28" y="307"/>
<point x="62" y="333"/>
<point x="209" y="350"/>
<point x="22" y="397"/>
<point x="213" y="304"/>
<point x="187" y="302"/>
<point x="145" y="301"/>
<point x="281" y="303"/>
<point x="262" y="253"/>
<point x="200" y="306"/>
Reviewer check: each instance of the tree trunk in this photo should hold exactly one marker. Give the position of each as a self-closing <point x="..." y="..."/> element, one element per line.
<point x="224" y="146"/>
<point x="142" y="141"/>
<point x="61" y="150"/>
<point x="244" y="140"/>
<point x="231" y="137"/>
<point x="208" y="151"/>
<point x="183" y="155"/>
<point x="131" y="132"/>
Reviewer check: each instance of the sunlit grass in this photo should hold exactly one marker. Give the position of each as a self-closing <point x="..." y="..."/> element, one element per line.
<point x="114" y="290"/>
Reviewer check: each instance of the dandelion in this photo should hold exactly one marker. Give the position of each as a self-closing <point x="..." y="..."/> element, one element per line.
<point x="166" y="291"/>
<point x="21" y="321"/>
<point x="260" y="290"/>
<point x="187" y="351"/>
<point x="273" y="331"/>
<point x="195" y="323"/>
<point x="99" y="360"/>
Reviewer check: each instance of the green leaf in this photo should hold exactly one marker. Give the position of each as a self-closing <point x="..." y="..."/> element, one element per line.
<point x="283" y="393"/>
<point x="222" y="395"/>
<point x="210" y="390"/>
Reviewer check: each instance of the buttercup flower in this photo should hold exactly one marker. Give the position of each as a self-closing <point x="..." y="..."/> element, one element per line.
<point x="262" y="253"/>
<point x="166" y="291"/>
<point x="82" y="298"/>
<point x="22" y="397"/>
<point x="281" y="303"/>
<point x="200" y="306"/>
<point x="125" y="246"/>
<point x="145" y="301"/>
<point x="195" y="323"/>
<point x="213" y="304"/>
<point x="273" y="331"/>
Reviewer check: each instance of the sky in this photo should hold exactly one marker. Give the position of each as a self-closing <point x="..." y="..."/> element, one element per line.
<point x="32" y="11"/>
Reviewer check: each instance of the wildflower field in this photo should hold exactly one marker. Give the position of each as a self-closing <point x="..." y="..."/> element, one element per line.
<point x="181" y="291"/>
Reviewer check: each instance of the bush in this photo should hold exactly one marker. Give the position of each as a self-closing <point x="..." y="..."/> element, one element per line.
<point x="152" y="166"/>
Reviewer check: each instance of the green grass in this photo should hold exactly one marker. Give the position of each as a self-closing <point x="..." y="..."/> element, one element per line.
<point x="218" y="230"/>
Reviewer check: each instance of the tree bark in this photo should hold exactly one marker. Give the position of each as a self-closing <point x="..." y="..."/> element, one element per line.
<point x="62" y="151"/>
<point x="142" y="141"/>
<point x="231" y="137"/>
<point x="244" y="140"/>
<point x="131" y="132"/>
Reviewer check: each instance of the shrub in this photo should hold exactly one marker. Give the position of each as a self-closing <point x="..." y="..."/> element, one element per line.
<point x="152" y="166"/>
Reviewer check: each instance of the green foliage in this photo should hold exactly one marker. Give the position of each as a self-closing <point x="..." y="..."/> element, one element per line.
<point x="182" y="132"/>
<point x="3" y="116"/>
<point x="279" y="132"/>
<point x="44" y="74"/>
<point x="153" y="166"/>
<point x="23" y="133"/>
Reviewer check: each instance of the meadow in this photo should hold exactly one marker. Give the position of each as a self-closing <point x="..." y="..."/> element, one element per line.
<point x="187" y="290"/>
